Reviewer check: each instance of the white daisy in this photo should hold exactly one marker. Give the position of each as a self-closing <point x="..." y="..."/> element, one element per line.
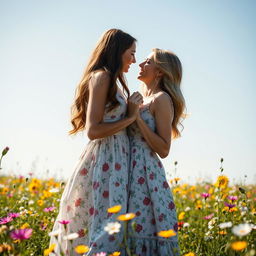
<point x="112" y="227"/>
<point x="242" y="229"/>
<point x="225" y="225"/>
<point x="55" y="233"/>
<point x="71" y="236"/>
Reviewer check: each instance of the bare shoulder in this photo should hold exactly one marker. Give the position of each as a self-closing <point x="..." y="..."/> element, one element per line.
<point x="163" y="101"/>
<point x="100" y="79"/>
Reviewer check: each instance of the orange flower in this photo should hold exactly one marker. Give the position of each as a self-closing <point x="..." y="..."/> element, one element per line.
<point x="166" y="233"/>
<point x="126" y="217"/>
<point x="115" y="209"/>
<point x="239" y="245"/>
<point x="115" y="254"/>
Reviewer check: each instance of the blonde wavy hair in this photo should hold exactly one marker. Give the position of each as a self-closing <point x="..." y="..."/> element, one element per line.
<point x="169" y="64"/>
<point x="107" y="56"/>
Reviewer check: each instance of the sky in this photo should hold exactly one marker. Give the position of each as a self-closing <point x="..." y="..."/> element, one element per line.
<point x="45" y="46"/>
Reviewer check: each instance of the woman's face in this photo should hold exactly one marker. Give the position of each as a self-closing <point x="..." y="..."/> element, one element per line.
<point x="128" y="58"/>
<point x="148" y="70"/>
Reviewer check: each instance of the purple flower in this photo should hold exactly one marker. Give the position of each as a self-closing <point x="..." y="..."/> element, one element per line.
<point x="232" y="198"/>
<point x="6" y="220"/>
<point x="49" y="209"/>
<point x="205" y="195"/>
<point x="21" y="234"/>
<point x="64" y="222"/>
<point x="229" y="205"/>
<point x="14" y="215"/>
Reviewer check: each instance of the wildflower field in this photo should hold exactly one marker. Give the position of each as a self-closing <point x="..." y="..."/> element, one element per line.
<point x="213" y="218"/>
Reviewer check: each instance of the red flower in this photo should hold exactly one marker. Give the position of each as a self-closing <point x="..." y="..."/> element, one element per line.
<point x="78" y="202"/>
<point x="151" y="175"/>
<point x="138" y="228"/>
<point x="146" y="201"/>
<point x="156" y="189"/>
<point x="91" y="211"/>
<point x="165" y="185"/>
<point x="171" y="205"/>
<point x="160" y="164"/>
<point x="105" y="167"/>
<point x="134" y="163"/>
<point x="117" y="184"/>
<point x="95" y="185"/>
<point x="153" y="221"/>
<point x="141" y="180"/>
<point x="117" y="166"/>
<point x="175" y="227"/>
<point x="81" y="233"/>
<point x="105" y="194"/>
<point x="180" y="224"/>
<point x="138" y="213"/>
<point x="83" y="172"/>
<point x="161" y="217"/>
<point x="111" y="238"/>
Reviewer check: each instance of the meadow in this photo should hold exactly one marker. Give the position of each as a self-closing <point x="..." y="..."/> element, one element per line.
<point x="213" y="218"/>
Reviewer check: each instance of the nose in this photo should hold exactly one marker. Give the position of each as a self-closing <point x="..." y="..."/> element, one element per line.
<point x="142" y="64"/>
<point x="133" y="59"/>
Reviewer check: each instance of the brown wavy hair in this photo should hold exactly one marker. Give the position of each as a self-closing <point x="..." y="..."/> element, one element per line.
<point x="107" y="56"/>
<point x="169" y="64"/>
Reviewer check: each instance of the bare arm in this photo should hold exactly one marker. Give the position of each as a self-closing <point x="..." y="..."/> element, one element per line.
<point x="159" y="141"/>
<point x="96" y="128"/>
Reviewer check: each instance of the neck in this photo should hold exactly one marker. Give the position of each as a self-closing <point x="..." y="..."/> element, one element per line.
<point x="149" y="89"/>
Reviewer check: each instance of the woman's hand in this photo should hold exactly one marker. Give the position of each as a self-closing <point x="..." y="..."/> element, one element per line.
<point x="134" y="102"/>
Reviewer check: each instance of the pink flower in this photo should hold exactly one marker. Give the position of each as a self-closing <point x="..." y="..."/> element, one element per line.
<point x="6" y="220"/>
<point x="21" y="234"/>
<point x="78" y="202"/>
<point x="205" y="195"/>
<point x="100" y="254"/>
<point x="49" y="209"/>
<point x="208" y="217"/>
<point x="64" y="222"/>
<point x="105" y="194"/>
<point x="14" y="215"/>
<point x="232" y="198"/>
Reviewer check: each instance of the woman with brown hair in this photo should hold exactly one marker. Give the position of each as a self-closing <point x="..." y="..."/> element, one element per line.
<point x="100" y="179"/>
<point x="157" y="123"/>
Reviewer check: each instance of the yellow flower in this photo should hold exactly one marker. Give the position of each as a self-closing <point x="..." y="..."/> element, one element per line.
<point x="25" y="225"/>
<point x="125" y="217"/>
<point x="176" y="180"/>
<point x="181" y="216"/>
<point x="222" y="182"/>
<point x="40" y="202"/>
<point x="49" y="250"/>
<point x="234" y="209"/>
<point x="239" y="245"/>
<point x="176" y="190"/>
<point x="223" y="232"/>
<point x="115" y="209"/>
<point x="189" y="254"/>
<point x="166" y="233"/>
<point x="115" y="254"/>
<point x="81" y="249"/>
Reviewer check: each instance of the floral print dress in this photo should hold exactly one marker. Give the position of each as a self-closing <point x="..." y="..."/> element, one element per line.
<point x="99" y="181"/>
<point x="150" y="197"/>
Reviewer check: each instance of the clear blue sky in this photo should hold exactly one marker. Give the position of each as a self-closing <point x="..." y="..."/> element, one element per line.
<point x="44" y="48"/>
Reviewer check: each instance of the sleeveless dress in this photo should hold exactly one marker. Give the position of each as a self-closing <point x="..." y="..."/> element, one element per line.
<point x="150" y="197"/>
<point x="99" y="181"/>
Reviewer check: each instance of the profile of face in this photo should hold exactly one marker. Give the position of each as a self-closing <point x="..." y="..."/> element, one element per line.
<point x="128" y="58"/>
<point x="148" y="70"/>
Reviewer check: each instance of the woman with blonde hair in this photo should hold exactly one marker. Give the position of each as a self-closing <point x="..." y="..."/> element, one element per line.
<point x="150" y="136"/>
<point x="100" y="179"/>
